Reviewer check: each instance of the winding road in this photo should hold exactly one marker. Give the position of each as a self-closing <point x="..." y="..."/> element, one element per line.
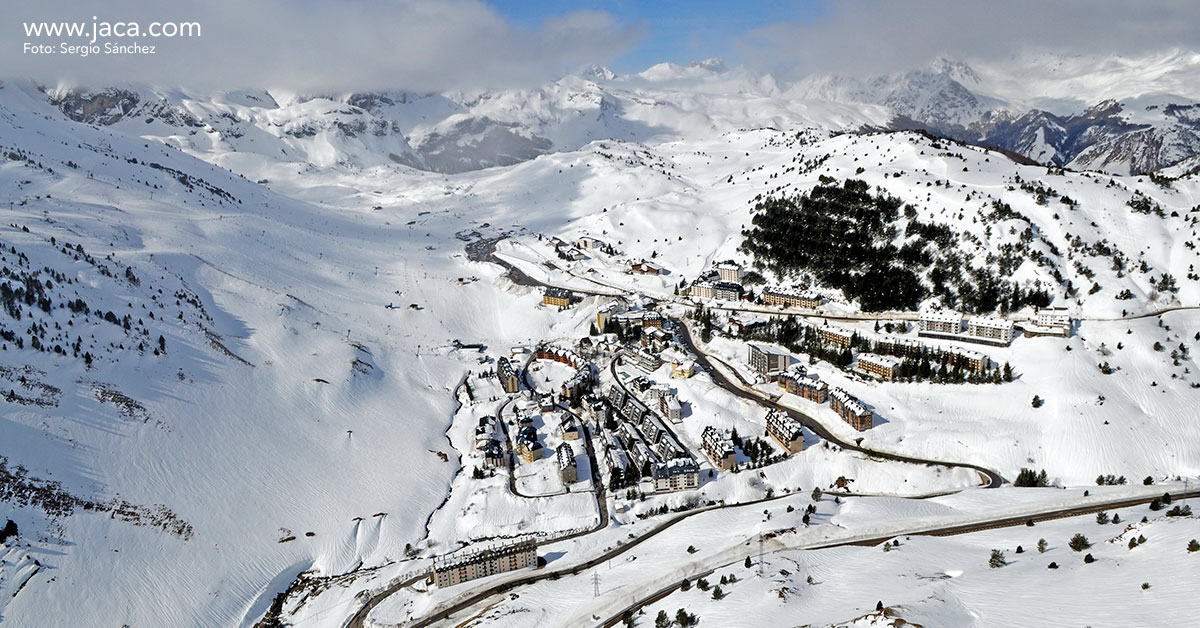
<point x="483" y="250"/>
<point x="745" y="391"/>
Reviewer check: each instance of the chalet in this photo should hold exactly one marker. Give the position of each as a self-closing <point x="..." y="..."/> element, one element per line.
<point x="718" y="447"/>
<point x="567" y="468"/>
<point x="558" y="297"/>
<point x="785" y="430"/>
<point x="799" y="384"/>
<point x="575" y="388"/>
<point x="655" y="339"/>
<point x="788" y="298"/>
<point x="939" y="322"/>
<point x="646" y="268"/>
<point x="850" y="409"/>
<point x="683" y="370"/>
<point x="990" y="330"/>
<point x="460" y="567"/>
<point x="881" y="366"/>
<point x="643" y="457"/>
<point x="493" y="456"/>
<point x="837" y="336"/>
<point x="679" y="474"/>
<point x="485" y="432"/>
<point x="730" y="271"/>
<point x="507" y="375"/>
<point x="766" y="358"/>
<point x="741" y="327"/>
<point x="590" y="243"/>
<point x="529" y="449"/>
<point x="569" y="426"/>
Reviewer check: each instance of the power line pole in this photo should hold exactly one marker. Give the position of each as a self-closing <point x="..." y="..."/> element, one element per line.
<point x="760" y="555"/>
<point x="596" y="584"/>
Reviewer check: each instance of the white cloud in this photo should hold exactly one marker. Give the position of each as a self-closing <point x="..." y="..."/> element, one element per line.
<point x="876" y="36"/>
<point x="327" y="46"/>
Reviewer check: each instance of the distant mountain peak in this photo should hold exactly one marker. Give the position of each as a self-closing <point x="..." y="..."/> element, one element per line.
<point x="714" y="64"/>
<point x="956" y="70"/>
<point x="599" y="72"/>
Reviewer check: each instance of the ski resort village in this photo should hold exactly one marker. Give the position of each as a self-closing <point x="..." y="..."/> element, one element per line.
<point x="692" y="346"/>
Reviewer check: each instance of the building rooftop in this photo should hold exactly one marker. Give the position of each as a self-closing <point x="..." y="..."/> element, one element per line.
<point x="882" y="360"/>
<point x="990" y="321"/>
<point x="942" y="316"/>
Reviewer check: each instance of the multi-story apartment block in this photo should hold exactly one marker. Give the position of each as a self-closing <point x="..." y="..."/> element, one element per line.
<point x="990" y="330"/>
<point x="567" y="468"/>
<point x="719" y="448"/>
<point x="850" y="409"/>
<point x="559" y="297"/>
<point x="678" y="474"/>
<point x="730" y="271"/>
<point x="453" y="569"/>
<point x="785" y="430"/>
<point x="765" y="358"/>
<point x="882" y="366"/>
<point x="837" y="336"/>
<point x="799" y="384"/>
<point x="507" y="375"/>
<point x="788" y="298"/>
<point x="939" y="322"/>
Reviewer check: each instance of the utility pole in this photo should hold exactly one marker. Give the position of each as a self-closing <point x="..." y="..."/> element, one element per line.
<point x="760" y="555"/>
<point x="596" y="583"/>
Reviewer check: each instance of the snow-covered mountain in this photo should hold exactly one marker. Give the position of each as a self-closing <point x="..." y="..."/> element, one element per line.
<point x="1081" y="113"/>
<point x="1113" y="120"/>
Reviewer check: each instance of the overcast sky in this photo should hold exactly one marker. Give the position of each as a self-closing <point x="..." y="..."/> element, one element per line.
<point x="447" y="44"/>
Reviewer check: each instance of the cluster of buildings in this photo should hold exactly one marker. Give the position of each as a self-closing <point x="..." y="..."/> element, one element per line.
<point x="580" y="383"/>
<point x="987" y="330"/>
<point x="487" y="442"/>
<point x="527" y="444"/>
<point x="796" y="381"/>
<point x="642" y="445"/>
<point x="881" y="365"/>
<point x="627" y="319"/>
<point x="723" y="283"/>
<point x="966" y="359"/>
<point x="456" y="568"/>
